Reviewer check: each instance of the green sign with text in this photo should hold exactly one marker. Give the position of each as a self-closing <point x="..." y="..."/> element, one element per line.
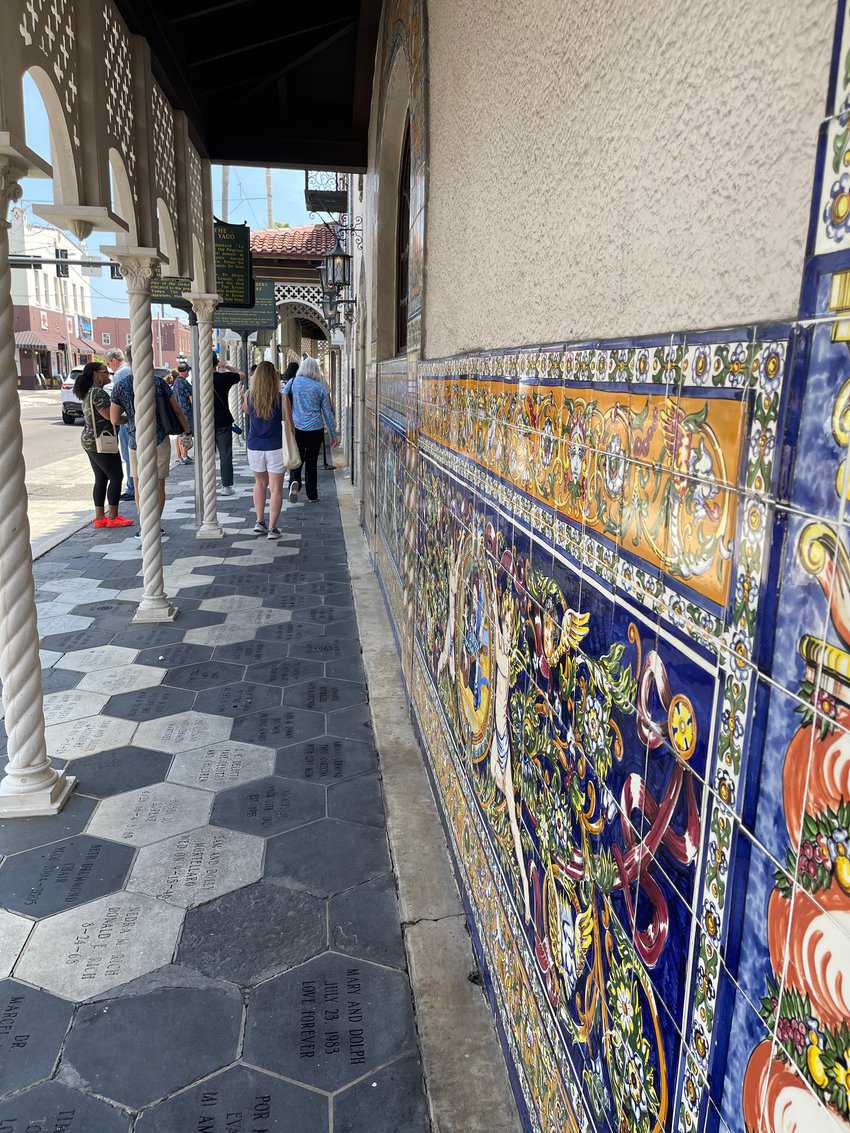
<point x="261" y="316"/>
<point x="233" y="270"/>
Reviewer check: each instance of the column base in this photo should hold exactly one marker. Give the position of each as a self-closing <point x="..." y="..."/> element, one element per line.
<point x="157" y="611"/>
<point x="37" y="804"/>
<point x="209" y="531"/>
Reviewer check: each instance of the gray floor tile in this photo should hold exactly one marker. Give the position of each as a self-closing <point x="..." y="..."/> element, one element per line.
<point x="358" y="800"/>
<point x="249" y="652"/>
<point x="171" y="656"/>
<point x="238" y="699"/>
<point x="32" y="1028"/>
<point x="365" y="922"/>
<point x="355" y="723"/>
<point x="119" y="769"/>
<point x="327" y="759"/>
<point x="328" y="857"/>
<point x="208" y="674"/>
<point x="48" y="879"/>
<point x="278" y="727"/>
<point x="18" y="835"/>
<point x="389" y="1101"/>
<point x="285" y="671"/>
<point x="324" y="694"/>
<point x="268" y="806"/>
<point x="53" y="1106"/>
<point x="148" y="703"/>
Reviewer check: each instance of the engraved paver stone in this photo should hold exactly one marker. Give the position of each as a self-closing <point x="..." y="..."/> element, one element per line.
<point x="285" y="671"/>
<point x="149" y="703"/>
<point x="322" y="648"/>
<point x="59" y="707"/>
<point x="214" y="940"/>
<point x="242" y="1100"/>
<point x="32" y="1027"/>
<point x="259" y="617"/>
<point x="106" y="657"/>
<point x="124" y="678"/>
<point x="327" y="759"/>
<point x="14" y="931"/>
<point x="85" y="737"/>
<point x="85" y="951"/>
<point x="63" y="874"/>
<point x="279" y="726"/>
<point x="151" y="813"/>
<point x="230" y="603"/>
<point x="219" y="766"/>
<point x="247" y="652"/>
<point x="207" y="674"/>
<point x="182" y="732"/>
<point x="330" y="1021"/>
<point x="168" y="1037"/>
<point x="220" y="634"/>
<point x="239" y="699"/>
<point x="170" y="656"/>
<point x="329" y="856"/>
<point x="196" y="866"/>
<point x="268" y="806"/>
<point x="52" y="1107"/>
<point x="324" y="695"/>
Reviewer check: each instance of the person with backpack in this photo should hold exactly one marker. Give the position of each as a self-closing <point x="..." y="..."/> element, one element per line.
<point x="311" y="414"/>
<point x="167" y="409"/>
<point x="100" y="444"/>
<point x="224" y="378"/>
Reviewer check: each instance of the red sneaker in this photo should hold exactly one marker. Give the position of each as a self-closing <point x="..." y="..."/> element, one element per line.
<point x="102" y="522"/>
<point x="119" y="521"/>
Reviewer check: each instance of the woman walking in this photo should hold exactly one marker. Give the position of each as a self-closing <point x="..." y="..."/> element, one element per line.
<point x="264" y="406"/>
<point x="100" y="442"/>
<point x="311" y="414"/>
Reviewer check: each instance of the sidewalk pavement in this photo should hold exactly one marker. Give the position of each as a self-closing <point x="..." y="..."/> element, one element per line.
<point x="208" y="936"/>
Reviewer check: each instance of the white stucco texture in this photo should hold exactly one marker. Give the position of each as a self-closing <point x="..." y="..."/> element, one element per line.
<point x="602" y="168"/>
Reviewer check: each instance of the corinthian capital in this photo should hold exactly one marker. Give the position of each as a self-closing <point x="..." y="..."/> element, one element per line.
<point x="137" y="271"/>
<point x="203" y="304"/>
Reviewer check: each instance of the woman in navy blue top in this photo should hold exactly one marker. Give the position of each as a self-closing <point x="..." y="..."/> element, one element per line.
<point x="264" y="406"/>
<point x="311" y="414"/>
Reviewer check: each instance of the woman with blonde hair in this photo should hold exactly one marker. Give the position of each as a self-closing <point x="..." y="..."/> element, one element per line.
<point x="264" y="408"/>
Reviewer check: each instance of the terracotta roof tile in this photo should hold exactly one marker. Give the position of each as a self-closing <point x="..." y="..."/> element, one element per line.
<point x="309" y="241"/>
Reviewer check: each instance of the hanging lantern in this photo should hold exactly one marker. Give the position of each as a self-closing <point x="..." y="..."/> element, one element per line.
<point x="338" y="266"/>
<point x="329" y="305"/>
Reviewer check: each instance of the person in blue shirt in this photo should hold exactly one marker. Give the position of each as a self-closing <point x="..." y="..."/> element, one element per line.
<point x="311" y="415"/>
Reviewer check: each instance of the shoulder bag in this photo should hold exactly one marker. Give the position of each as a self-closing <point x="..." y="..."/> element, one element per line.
<point x="105" y="437"/>
<point x="168" y="419"/>
<point x="291" y="455"/>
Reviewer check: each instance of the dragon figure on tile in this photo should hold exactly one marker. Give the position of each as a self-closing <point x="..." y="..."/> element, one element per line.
<point x="539" y="722"/>
<point x="788" y="1081"/>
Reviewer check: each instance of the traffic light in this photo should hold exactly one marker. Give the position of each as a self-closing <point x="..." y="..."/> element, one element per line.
<point x="115" y="272"/>
<point x="61" y="268"/>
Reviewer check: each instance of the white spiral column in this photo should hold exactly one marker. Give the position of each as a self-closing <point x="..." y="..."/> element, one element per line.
<point x="30" y="785"/>
<point x="137" y="268"/>
<point x="204" y="305"/>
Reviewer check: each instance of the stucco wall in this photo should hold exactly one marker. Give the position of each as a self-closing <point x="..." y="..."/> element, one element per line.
<point x="600" y="168"/>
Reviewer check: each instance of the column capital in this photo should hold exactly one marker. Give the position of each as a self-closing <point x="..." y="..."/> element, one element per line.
<point x="137" y="266"/>
<point x="11" y="172"/>
<point x="203" y="303"/>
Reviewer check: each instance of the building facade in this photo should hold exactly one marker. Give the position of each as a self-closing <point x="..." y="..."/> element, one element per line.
<point x="172" y="338"/>
<point x="601" y="445"/>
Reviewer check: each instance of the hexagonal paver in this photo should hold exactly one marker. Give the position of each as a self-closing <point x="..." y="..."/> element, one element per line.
<point x="150" y="813"/>
<point x="183" y="732"/>
<point x="14" y="931"/>
<point x="238" y="699"/>
<point x="240" y="1098"/>
<point x="359" y="1017"/>
<point x="168" y="1037"/>
<point x="215" y="940"/>
<point x="219" y="766"/>
<point x="354" y="722"/>
<point x="48" y="879"/>
<point x="195" y="867"/>
<point x="59" y="707"/>
<point x="285" y="671"/>
<point x="324" y="694"/>
<point x="220" y="634"/>
<point x="80" y="640"/>
<point x="279" y="726"/>
<point x="126" y="678"/>
<point x="327" y="759"/>
<point x="322" y="615"/>
<point x="358" y="800"/>
<point x="32" y="1027"/>
<point x="230" y="603"/>
<point x="119" y="769"/>
<point x="149" y="703"/>
<point x="323" y="649"/>
<point x="207" y="674"/>
<point x="248" y="652"/>
<point x="387" y="1101"/>
<point x="85" y="951"/>
<point x="261" y="617"/>
<point x="281" y="631"/>
<point x="146" y="636"/>
<point x="88" y="660"/>
<point x="328" y="856"/>
<point x="107" y="607"/>
<point x="170" y="656"/>
<point x="268" y="806"/>
<point x="60" y="680"/>
<point x="85" y="737"/>
<point x="54" y="1106"/>
<point x="348" y="669"/>
<point x="364" y="922"/>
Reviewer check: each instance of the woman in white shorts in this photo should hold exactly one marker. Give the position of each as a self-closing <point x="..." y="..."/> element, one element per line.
<point x="264" y="408"/>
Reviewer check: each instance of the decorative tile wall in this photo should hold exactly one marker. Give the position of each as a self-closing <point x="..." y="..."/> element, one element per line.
<point x="619" y="575"/>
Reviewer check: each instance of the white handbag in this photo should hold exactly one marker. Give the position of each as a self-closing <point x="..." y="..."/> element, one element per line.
<point x="106" y="441"/>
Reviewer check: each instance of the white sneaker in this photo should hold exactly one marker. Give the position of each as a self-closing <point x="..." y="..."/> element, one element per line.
<point x="227" y="491"/>
<point x="293" y="491"/>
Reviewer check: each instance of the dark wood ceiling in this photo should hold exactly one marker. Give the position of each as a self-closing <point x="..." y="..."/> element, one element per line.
<point x="280" y="83"/>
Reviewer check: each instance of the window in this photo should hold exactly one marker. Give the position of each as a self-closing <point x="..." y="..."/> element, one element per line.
<point x="36" y="282"/>
<point x="402" y="246"/>
<point x="106" y="339"/>
<point x="44" y="320"/>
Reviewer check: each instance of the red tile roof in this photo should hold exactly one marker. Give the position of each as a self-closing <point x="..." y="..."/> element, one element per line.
<point x="309" y="241"/>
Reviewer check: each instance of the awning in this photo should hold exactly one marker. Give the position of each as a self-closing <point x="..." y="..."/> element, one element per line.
<point x="36" y="339"/>
<point x="81" y="346"/>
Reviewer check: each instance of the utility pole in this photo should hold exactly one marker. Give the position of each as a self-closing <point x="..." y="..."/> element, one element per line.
<point x="225" y="192"/>
<point x="269" y="197"/>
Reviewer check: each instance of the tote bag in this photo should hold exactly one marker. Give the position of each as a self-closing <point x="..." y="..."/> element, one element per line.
<point x="106" y="440"/>
<point x="291" y="455"/>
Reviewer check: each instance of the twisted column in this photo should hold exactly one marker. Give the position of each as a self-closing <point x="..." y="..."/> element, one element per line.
<point x="137" y="270"/>
<point x="204" y="306"/>
<point x="30" y="785"/>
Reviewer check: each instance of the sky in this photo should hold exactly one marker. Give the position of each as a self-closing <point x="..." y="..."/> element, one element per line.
<point x="247" y="202"/>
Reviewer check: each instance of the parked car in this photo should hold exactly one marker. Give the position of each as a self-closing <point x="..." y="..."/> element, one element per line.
<point x="71" y="408"/>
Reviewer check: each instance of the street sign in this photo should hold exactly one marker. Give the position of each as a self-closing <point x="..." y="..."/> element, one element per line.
<point x="233" y="269"/>
<point x="262" y="315"/>
<point x="91" y="267"/>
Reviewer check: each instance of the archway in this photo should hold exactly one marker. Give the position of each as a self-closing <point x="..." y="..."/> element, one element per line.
<point x="167" y="237"/>
<point x="122" y="197"/>
<point x="61" y="155"/>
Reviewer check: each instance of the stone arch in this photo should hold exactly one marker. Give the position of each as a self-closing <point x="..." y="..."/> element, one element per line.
<point x="290" y="310"/>
<point x="66" y="188"/>
<point x="167" y="237"/>
<point x="122" y="197"/>
<point x="394" y="121"/>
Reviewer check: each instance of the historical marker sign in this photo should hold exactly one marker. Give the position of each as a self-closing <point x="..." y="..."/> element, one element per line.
<point x="262" y="315"/>
<point x="234" y="280"/>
